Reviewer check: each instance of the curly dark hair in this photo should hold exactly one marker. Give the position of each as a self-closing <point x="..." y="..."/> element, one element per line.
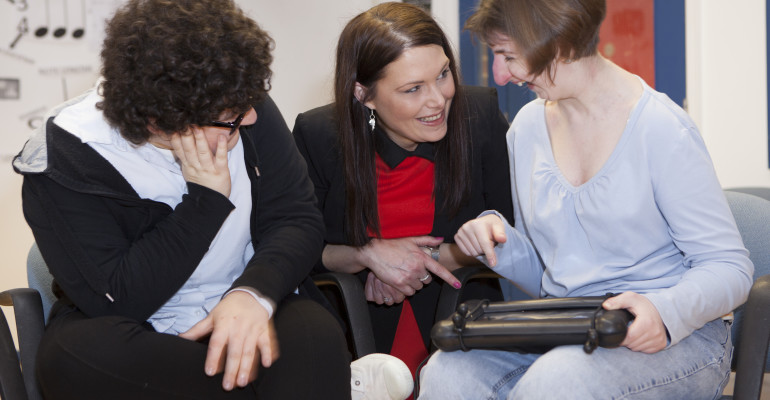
<point x="175" y="63"/>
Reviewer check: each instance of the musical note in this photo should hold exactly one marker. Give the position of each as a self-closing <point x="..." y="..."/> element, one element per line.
<point x="43" y="30"/>
<point x="62" y="30"/>
<point x="79" y="32"/>
<point x="22" y="30"/>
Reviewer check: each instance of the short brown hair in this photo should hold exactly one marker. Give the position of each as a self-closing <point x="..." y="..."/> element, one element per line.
<point x="544" y="30"/>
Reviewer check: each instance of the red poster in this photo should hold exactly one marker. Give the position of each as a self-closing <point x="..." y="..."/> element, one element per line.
<point x="627" y="37"/>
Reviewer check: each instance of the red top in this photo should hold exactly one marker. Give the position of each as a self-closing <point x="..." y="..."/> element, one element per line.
<point x="406" y="208"/>
<point x="405" y="197"/>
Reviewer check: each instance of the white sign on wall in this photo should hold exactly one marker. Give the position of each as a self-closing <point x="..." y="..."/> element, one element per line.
<point x="49" y="52"/>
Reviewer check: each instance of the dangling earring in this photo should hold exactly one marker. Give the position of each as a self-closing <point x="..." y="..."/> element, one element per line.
<point x="372" y="120"/>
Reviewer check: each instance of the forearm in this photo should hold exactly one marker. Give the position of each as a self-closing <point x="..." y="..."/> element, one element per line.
<point x="704" y="293"/>
<point x="452" y="258"/>
<point x="87" y="243"/>
<point x="342" y="258"/>
<point x="282" y="260"/>
<point x="517" y="260"/>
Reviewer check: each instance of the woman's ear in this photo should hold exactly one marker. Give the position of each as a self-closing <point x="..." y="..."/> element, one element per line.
<point x="155" y="131"/>
<point x="359" y="91"/>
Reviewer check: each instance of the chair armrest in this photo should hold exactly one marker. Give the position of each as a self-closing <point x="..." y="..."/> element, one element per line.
<point x="11" y="380"/>
<point x="755" y="334"/>
<point x="449" y="297"/>
<point x="28" y="309"/>
<point x="356" y="307"/>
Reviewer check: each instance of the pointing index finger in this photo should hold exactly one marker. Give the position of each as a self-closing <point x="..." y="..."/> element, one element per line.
<point x="443" y="273"/>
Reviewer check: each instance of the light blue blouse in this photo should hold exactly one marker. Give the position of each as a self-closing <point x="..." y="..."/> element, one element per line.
<point x="653" y="220"/>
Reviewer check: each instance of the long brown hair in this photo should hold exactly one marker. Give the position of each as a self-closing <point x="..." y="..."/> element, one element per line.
<point x="542" y="29"/>
<point x="370" y="42"/>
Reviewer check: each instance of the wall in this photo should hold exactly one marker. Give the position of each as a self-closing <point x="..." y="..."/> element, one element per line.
<point x="727" y="86"/>
<point x="725" y="78"/>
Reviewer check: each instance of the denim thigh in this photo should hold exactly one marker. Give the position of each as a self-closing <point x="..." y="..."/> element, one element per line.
<point x="698" y="367"/>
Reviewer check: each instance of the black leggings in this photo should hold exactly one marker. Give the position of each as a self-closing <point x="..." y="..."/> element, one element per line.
<point x="118" y="358"/>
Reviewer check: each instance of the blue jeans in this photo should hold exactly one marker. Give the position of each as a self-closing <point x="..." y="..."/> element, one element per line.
<point x="698" y="367"/>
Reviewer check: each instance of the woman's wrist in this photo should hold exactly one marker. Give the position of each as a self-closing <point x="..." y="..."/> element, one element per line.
<point x="343" y="258"/>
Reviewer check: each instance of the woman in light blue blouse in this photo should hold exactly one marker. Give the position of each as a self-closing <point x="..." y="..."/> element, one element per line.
<point x="614" y="191"/>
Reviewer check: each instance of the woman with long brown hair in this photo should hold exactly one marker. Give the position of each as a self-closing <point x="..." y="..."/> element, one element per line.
<point x="402" y="158"/>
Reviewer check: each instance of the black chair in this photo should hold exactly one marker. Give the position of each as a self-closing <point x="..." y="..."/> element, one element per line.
<point x="346" y="294"/>
<point x="31" y="306"/>
<point x="751" y="327"/>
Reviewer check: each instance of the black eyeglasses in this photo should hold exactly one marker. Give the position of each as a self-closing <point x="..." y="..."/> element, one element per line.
<point x="232" y="125"/>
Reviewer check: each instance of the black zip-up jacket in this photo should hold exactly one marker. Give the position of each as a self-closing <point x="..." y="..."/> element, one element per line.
<point x="113" y="253"/>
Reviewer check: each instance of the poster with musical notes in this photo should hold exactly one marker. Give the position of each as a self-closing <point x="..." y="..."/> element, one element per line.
<point x="49" y="52"/>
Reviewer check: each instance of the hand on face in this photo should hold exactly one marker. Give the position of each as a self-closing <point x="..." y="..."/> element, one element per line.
<point x="199" y="164"/>
<point x="241" y="337"/>
<point x="401" y="263"/>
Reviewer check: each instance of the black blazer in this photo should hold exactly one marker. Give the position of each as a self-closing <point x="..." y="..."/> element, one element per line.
<point x="315" y="133"/>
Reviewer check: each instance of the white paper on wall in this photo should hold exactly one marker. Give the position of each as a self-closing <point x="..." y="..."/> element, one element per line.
<point x="49" y="52"/>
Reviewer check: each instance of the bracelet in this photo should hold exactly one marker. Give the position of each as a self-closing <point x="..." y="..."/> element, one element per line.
<point x="434" y="252"/>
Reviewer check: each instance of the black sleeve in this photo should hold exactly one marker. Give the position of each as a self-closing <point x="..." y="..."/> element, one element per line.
<point x="315" y="133"/>
<point x="136" y="251"/>
<point x="316" y="152"/>
<point x="288" y="228"/>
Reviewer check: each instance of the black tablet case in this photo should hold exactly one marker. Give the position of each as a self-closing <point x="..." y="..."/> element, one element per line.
<point x="532" y="326"/>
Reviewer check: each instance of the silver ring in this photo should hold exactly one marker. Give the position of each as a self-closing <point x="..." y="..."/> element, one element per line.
<point x="425" y="278"/>
<point x="387" y="299"/>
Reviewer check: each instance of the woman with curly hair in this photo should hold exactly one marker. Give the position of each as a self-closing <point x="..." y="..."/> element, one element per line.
<point x="171" y="218"/>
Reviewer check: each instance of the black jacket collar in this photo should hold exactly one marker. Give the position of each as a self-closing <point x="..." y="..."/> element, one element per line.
<point x="394" y="154"/>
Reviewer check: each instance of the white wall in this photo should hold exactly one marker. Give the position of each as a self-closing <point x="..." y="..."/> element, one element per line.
<point x="306" y="39"/>
<point x="727" y="86"/>
<point x="725" y="78"/>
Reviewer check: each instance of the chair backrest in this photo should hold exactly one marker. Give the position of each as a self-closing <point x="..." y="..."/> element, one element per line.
<point x="763" y="192"/>
<point x="752" y="215"/>
<point x="40" y="279"/>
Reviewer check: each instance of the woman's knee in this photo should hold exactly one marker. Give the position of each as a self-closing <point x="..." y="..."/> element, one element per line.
<point x="304" y="324"/>
<point x="312" y="351"/>
<point x="75" y="350"/>
<point x="474" y="374"/>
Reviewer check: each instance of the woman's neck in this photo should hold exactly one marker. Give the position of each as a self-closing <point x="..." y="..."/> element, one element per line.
<point x="598" y="85"/>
